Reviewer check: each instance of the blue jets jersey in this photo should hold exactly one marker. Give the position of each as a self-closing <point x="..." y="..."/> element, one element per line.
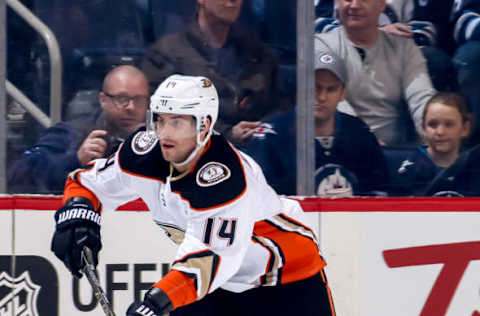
<point x="353" y="159"/>
<point x="418" y="175"/>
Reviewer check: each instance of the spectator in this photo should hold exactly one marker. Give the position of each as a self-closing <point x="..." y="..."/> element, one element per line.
<point x="466" y="59"/>
<point x="70" y="145"/>
<point x="439" y="168"/>
<point x="242" y="68"/>
<point x="422" y="20"/>
<point x="386" y="72"/>
<point x="341" y="141"/>
<point x="425" y="21"/>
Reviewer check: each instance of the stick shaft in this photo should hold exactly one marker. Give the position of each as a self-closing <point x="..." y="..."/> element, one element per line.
<point x="91" y="274"/>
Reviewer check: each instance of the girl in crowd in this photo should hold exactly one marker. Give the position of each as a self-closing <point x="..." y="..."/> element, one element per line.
<point x="441" y="168"/>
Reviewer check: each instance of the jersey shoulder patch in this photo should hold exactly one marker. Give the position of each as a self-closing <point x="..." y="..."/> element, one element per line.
<point x="143" y="142"/>
<point x="217" y="179"/>
<point x="212" y="173"/>
<point x="140" y="155"/>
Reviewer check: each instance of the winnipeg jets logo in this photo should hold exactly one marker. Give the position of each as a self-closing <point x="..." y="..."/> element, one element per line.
<point x="447" y="194"/>
<point x="264" y="129"/>
<point x="335" y="185"/>
<point x="326" y="59"/>
<point x="404" y="165"/>
<point x="21" y="295"/>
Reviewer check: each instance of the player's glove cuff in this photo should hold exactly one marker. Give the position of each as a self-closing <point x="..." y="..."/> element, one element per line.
<point x="78" y="225"/>
<point x="159" y="299"/>
<point x="76" y="211"/>
<point x="141" y="309"/>
<point x="156" y="303"/>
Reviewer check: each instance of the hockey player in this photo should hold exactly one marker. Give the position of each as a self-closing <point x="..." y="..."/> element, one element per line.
<point x="440" y="168"/>
<point x="242" y="249"/>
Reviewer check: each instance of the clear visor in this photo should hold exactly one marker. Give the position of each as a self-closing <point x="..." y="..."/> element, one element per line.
<point x="172" y="127"/>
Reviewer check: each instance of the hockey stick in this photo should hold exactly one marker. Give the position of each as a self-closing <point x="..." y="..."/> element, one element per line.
<point x="91" y="274"/>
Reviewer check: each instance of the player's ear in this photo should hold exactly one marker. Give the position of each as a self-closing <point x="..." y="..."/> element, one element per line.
<point x="206" y="128"/>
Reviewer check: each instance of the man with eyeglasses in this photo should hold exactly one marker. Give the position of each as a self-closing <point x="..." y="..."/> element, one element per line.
<point x="67" y="146"/>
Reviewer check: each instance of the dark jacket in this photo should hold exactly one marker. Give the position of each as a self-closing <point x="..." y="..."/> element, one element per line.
<point x="418" y="175"/>
<point x="243" y="68"/>
<point x="44" y="167"/>
<point x="354" y="159"/>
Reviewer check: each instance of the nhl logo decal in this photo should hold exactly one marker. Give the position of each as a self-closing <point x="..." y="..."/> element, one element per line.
<point x="144" y="142"/>
<point x="212" y="173"/>
<point x="22" y="295"/>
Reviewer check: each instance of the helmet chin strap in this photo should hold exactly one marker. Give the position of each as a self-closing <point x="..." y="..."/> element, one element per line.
<point x="192" y="155"/>
<point x="200" y="145"/>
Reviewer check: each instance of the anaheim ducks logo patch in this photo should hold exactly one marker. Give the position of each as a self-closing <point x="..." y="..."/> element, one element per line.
<point x="144" y="142"/>
<point x="212" y="173"/>
<point x="206" y="83"/>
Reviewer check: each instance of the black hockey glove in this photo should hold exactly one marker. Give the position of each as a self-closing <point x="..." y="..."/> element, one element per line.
<point x="78" y="225"/>
<point x="155" y="303"/>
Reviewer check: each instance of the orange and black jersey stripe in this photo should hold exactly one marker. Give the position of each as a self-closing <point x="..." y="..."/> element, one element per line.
<point x="293" y="248"/>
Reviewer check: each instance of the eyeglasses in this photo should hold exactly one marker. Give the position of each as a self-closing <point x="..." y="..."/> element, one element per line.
<point x="122" y="100"/>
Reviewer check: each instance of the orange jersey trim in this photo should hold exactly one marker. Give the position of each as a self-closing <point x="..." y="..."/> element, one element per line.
<point x="178" y="287"/>
<point x="300" y="253"/>
<point x="74" y="188"/>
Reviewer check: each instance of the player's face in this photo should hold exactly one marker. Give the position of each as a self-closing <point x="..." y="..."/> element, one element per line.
<point x="177" y="136"/>
<point x="125" y="117"/>
<point x="360" y="13"/>
<point x="226" y="11"/>
<point x="444" y="129"/>
<point x="329" y="91"/>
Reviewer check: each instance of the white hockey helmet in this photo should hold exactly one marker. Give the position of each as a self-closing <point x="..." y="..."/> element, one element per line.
<point x="187" y="95"/>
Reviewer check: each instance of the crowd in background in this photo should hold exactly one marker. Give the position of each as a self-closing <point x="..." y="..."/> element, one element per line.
<point x="396" y="115"/>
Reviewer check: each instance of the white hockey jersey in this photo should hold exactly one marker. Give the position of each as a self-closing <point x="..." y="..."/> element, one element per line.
<point x="232" y="229"/>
